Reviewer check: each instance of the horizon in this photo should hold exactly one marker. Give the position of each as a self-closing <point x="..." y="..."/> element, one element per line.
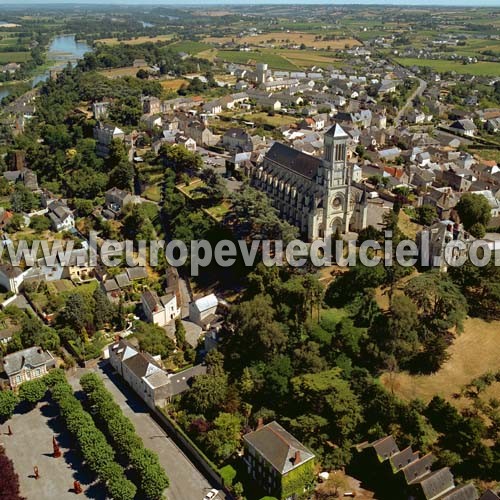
<point x="237" y="3"/>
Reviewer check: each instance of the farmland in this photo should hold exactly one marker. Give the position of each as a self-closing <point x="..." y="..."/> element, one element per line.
<point x="286" y="38"/>
<point x="17" y="57"/>
<point x="136" y="41"/>
<point x="442" y="65"/>
<point x="189" y="46"/>
<point x="274" y="61"/>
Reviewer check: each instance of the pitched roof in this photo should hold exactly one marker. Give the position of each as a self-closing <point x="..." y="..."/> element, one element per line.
<point x="466" y="492"/>
<point x="32" y="357"/>
<point x="437" y="483"/>
<point x="489" y="495"/>
<point x="207" y="302"/>
<point x="337" y="131"/>
<point x="278" y="447"/>
<point x="296" y="161"/>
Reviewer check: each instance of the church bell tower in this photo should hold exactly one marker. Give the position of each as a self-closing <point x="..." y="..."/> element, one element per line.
<point x="337" y="182"/>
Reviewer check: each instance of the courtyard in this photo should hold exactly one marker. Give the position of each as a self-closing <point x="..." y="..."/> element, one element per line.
<point x="31" y="445"/>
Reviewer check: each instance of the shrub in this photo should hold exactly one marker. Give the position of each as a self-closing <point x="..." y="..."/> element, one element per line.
<point x="228" y="473"/>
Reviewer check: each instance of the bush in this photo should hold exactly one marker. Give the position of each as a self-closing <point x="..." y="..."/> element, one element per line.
<point x="8" y="403"/>
<point x="228" y="473"/>
<point x="33" y="391"/>
<point x="9" y="480"/>
<point x="97" y="453"/>
<point x="122" y="435"/>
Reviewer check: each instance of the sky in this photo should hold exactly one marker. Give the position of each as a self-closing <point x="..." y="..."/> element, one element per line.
<point x="452" y="3"/>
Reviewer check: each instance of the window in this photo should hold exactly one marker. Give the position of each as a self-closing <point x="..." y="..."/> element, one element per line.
<point x="38" y="372"/>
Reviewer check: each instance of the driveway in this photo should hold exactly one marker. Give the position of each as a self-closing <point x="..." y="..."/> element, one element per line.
<point x="186" y="481"/>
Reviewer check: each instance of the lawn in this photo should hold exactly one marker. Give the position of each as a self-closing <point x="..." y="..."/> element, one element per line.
<point x="275" y="120"/>
<point x="474" y="352"/>
<point x="478" y="69"/>
<point x="152" y="193"/>
<point x="17" y="57"/>
<point x="220" y="210"/>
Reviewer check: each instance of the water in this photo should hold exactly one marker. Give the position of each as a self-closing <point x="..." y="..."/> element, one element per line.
<point x="62" y="50"/>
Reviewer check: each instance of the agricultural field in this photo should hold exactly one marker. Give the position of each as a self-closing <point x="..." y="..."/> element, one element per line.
<point x="282" y="37"/>
<point x="17" y="57"/>
<point x="473" y="353"/>
<point x="174" y="85"/>
<point x="137" y="40"/>
<point x="188" y="46"/>
<point x="274" y="61"/>
<point x="478" y="69"/>
<point x="119" y="72"/>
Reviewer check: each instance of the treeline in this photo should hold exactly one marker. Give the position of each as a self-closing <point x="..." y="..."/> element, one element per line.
<point x="120" y="431"/>
<point x="99" y="456"/>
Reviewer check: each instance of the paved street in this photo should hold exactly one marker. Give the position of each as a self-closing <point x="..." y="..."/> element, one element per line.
<point x="31" y="445"/>
<point x="422" y="85"/>
<point x="186" y="482"/>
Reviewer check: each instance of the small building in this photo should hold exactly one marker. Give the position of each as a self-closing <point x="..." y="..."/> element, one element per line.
<point x="61" y="216"/>
<point x="28" y="364"/>
<point x="464" y="127"/>
<point x="202" y="310"/>
<point x="160" y="310"/>
<point x="116" y="199"/>
<point x="280" y="463"/>
<point x="237" y="140"/>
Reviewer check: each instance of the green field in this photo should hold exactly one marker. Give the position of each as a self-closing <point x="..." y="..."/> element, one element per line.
<point x="442" y="66"/>
<point x="189" y="46"/>
<point x="251" y="58"/>
<point x="17" y="57"/>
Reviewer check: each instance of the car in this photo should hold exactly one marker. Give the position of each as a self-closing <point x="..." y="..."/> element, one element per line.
<point x="211" y="494"/>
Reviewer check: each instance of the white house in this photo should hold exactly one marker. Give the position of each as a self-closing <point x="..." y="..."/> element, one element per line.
<point x="159" y="310"/>
<point x="203" y="309"/>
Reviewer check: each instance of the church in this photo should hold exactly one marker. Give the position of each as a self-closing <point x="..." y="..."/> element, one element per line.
<point x="314" y="194"/>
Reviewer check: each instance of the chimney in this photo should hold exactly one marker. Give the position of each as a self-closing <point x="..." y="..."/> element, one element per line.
<point x="260" y="424"/>
<point x="296" y="458"/>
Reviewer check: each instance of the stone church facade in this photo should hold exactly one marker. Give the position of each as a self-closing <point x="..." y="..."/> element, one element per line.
<point x="311" y="193"/>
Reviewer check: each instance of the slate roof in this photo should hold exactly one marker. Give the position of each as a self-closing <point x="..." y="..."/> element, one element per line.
<point x="337" y="131"/>
<point x="490" y="495"/>
<point x="32" y="357"/>
<point x="180" y="382"/>
<point x="437" y="483"/>
<point x="385" y="447"/>
<point x="466" y="492"/>
<point x="296" y="161"/>
<point x="137" y="273"/>
<point x="405" y="457"/>
<point x="10" y="271"/>
<point x="205" y="303"/>
<point x="139" y="363"/>
<point x="278" y="447"/>
<point x="418" y="468"/>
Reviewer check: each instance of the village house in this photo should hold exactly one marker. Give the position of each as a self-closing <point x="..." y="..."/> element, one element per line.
<point x="61" y="216"/>
<point x="159" y="310"/>
<point x="145" y="376"/>
<point x="203" y="310"/>
<point x="273" y="456"/>
<point x="28" y="364"/>
<point x="104" y="136"/>
<point x="464" y="127"/>
<point x="237" y="140"/>
<point x="115" y="199"/>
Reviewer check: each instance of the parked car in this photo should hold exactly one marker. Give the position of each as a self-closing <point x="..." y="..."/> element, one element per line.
<point x="211" y="494"/>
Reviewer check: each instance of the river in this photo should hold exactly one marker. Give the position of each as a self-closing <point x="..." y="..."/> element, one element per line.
<point x="62" y="50"/>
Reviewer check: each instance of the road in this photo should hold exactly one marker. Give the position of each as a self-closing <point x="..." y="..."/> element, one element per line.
<point x="186" y="481"/>
<point x="417" y="93"/>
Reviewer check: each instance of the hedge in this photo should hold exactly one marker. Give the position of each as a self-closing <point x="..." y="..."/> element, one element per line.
<point x="121" y="433"/>
<point x="97" y="453"/>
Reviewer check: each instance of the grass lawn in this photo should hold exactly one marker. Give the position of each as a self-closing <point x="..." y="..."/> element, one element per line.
<point x="152" y="193"/>
<point x="276" y="120"/>
<point x="333" y="315"/>
<point x="474" y="352"/>
<point x="219" y="210"/>
<point x="478" y="69"/>
<point x="408" y="227"/>
<point x="487" y="154"/>
<point x="17" y="57"/>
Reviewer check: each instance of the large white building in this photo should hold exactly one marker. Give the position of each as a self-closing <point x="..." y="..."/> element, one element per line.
<point x="314" y="194"/>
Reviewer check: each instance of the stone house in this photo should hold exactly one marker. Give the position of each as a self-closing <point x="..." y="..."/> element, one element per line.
<point x="28" y="364"/>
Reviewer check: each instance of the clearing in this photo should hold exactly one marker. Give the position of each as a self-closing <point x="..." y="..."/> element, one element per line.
<point x="474" y="352"/>
<point x="478" y="69"/>
<point x="136" y="41"/>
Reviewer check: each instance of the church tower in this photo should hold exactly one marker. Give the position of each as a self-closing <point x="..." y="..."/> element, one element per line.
<point x="337" y="182"/>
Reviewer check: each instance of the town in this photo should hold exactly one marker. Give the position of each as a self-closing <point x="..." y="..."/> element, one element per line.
<point x="342" y="124"/>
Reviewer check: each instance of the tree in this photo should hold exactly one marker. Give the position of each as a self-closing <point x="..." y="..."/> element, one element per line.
<point x="40" y="223"/>
<point x="9" y="480"/>
<point x="103" y="309"/>
<point x="180" y="333"/>
<point x="8" y="403"/>
<point x="23" y="199"/>
<point x="32" y="391"/>
<point x="76" y="313"/>
<point x="427" y="214"/>
<point x="473" y="209"/>
<point x="208" y="393"/>
<point x="154" y="340"/>
<point x="224" y="439"/>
